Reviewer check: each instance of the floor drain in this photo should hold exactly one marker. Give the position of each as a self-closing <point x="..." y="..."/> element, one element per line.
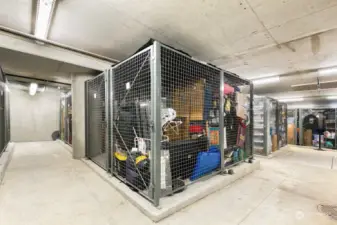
<point x="329" y="210"/>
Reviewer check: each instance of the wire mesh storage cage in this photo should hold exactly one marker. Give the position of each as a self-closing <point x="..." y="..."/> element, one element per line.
<point x="66" y="117"/>
<point x="318" y="126"/>
<point x="172" y="120"/>
<point x="265" y="125"/>
<point x="292" y="125"/>
<point x="282" y="125"/>
<point x="4" y="112"/>
<point x="96" y="100"/>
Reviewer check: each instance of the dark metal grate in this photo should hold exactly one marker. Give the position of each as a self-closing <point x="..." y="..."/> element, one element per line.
<point x="190" y="106"/>
<point x="131" y="122"/>
<point x="4" y="113"/>
<point x="239" y="121"/>
<point x="96" y="121"/>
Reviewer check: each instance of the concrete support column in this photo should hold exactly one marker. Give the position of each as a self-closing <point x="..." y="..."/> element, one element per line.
<point x="78" y="114"/>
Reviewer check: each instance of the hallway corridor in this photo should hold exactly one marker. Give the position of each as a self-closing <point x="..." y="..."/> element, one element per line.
<point x="44" y="185"/>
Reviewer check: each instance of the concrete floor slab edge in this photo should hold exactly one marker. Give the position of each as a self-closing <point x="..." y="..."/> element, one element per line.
<point x="67" y="147"/>
<point x="162" y="212"/>
<point x="157" y="214"/>
<point x="273" y="154"/>
<point x="5" y="159"/>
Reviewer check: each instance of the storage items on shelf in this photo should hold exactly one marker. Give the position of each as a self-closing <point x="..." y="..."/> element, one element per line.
<point x="282" y="124"/>
<point x="318" y="124"/>
<point x="292" y="126"/>
<point x="259" y="125"/>
<point x="265" y="132"/>
<point x="165" y="120"/>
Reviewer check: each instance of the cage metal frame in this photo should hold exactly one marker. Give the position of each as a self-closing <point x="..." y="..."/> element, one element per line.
<point x="105" y="122"/>
<point x="280" y="108"/>
<point x="5" y="107"/>
<point x="154" y="192"/>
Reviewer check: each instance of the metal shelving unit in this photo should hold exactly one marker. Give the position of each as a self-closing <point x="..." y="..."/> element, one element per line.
<point x="265" y="124"/>
<point x="281" y="125"/>
<point x="330" y="124"/>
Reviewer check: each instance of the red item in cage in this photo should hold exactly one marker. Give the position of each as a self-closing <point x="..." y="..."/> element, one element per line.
<point x="196" y="129"/>
<point x="241" y="137"/>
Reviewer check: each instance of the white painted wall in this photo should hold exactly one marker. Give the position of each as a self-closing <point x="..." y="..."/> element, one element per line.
<point x="33" y="118"/>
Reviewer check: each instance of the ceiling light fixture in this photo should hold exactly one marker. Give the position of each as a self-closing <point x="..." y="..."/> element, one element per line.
<point x="43" y="17"/>
<point x="331" y="97"/>
<point x="6" y="88"/>
<point x="291" y="100"/>
<point x="32" y="89"/>
<point x="267" y="80"/>
<point x="304" y="84"/>
<point x="327" y="72"/>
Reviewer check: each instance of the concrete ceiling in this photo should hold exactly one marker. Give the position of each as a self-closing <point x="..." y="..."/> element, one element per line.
<point x="249" y="37"/>
<point x="21" y="64"/>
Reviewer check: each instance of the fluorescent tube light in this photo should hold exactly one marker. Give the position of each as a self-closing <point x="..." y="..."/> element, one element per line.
<point x="32" y="89"/>
<point x="331" y="97"/>
<point x="43" y="17"/>
<point x="291" y="100"/>
<point x="266" y="80"/>
<point x="305" y="84"/>
<point x="328" y="72"/>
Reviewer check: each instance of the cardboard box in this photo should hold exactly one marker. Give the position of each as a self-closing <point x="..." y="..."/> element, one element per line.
<point x="307" y="136"/>
<point x="274" y="143"/>
<point x="189" y="101"/>
<point x="291" y="134"/>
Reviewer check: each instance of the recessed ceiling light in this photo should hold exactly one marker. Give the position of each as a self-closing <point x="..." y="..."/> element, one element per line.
<point x="304" y="84"/>
<point x="331" y="97"/>
<point x="266" y="80"/>
<point x="43" y="17"/>
<point x="32" y="89"/>
<point x="291" y="100"/>
<point x="328" y="72"/>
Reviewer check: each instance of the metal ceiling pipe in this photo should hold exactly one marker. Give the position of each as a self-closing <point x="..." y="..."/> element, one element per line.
<point x="42" y="41"/>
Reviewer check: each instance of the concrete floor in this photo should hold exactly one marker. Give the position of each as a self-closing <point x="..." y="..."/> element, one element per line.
<point x="44" y="185"/>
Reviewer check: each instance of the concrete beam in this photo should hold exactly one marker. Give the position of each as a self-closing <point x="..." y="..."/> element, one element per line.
<point x="26" y="45"/>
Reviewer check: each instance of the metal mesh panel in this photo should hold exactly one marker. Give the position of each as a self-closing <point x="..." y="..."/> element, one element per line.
<point x="292" y="126"/>
<point x="62" y="116"/>
<point x="282" y="125"/>
<point x="190" y="119"/>
<point x="313" y="122"/>
<point x="2" y="118"/>
<point x="7" y="116"/>
<point x="260" y="115"/>
<point x="96" y="148"/>
<point x="68" y="119"/>
<point x="159" y="155"/>
<point x="131" y="122"/>
<point x="238" y="120"/>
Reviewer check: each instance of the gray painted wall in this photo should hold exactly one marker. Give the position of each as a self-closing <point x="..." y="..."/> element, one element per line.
<point x="33" y="118"/>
